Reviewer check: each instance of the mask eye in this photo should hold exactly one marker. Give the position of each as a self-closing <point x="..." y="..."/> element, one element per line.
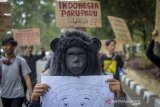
<point x="65" y="105"/>
<point x="82" y="104"/>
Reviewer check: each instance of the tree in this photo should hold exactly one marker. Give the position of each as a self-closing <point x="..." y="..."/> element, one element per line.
<point x="36" y="13"/>
<point x="139" y="15"/>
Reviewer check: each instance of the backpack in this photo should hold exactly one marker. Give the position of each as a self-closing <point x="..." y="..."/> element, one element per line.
<point x="21" y="74"/>
<point x="26" y="102"/>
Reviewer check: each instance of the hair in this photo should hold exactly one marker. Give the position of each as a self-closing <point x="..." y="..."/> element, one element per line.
<point x="74" y="38"/>
<point x="108" y="42"/>
<point x="28" y="46"/>
<point x="9" y="39"/>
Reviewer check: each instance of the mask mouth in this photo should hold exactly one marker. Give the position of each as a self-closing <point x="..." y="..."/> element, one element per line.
<point x="76" y="68"/>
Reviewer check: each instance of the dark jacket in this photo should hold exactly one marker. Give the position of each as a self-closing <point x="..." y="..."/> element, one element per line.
<point x="150" y="54"/>
<point x="31" y="61"/>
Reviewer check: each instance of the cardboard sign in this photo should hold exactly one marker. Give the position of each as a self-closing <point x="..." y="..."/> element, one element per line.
<point x="157" y="25"/>
<point x="5" y="23"/>
<point x="27" y="37"/>
<point x="120" y="29"/>
<point x="5" y="7"/>
<point x="78" y="14"/>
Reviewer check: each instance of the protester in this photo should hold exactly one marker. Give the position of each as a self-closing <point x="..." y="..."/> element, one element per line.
<point x="48" y="64"/>
<point x="13" y="70"/>
<point x="126" y="56"/>
<point x="149" y="52"/>
<point x="75" y="54"/>
<point x="31" y="61"/>
<point x="111" y="62"/>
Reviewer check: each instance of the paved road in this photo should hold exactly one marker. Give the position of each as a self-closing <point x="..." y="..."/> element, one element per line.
<point x="132" y="96"/>
<point x="40" y="65"/>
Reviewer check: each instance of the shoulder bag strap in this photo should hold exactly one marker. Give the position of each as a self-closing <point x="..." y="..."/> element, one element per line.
<point x="114" y="57"/>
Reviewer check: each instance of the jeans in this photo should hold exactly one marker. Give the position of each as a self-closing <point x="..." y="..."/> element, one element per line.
<point x="12" y="102"/>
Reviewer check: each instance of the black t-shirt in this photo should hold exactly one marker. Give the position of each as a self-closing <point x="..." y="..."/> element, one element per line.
<point x="111" y="65"/>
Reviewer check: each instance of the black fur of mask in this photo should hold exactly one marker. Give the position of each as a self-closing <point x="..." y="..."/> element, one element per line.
<point x="75" y="38"/>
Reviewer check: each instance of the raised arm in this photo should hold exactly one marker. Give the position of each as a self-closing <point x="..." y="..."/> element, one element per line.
<point x="41" y="55"/>
<point x="149" y="52"/>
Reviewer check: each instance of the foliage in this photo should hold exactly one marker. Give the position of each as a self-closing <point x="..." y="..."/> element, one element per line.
<point x="139" y="15"/>
<point x="2" y="36"/>
<point x="143" y="64"/>
<point x="36" y="13"/>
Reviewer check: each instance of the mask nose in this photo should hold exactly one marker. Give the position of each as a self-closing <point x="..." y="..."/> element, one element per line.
<point x="76" y="61"/>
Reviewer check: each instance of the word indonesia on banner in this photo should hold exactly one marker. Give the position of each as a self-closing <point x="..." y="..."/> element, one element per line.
<point x="78" y="14"/>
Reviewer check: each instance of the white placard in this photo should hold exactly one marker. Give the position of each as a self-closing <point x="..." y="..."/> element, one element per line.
<point x="83" y="91"/>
